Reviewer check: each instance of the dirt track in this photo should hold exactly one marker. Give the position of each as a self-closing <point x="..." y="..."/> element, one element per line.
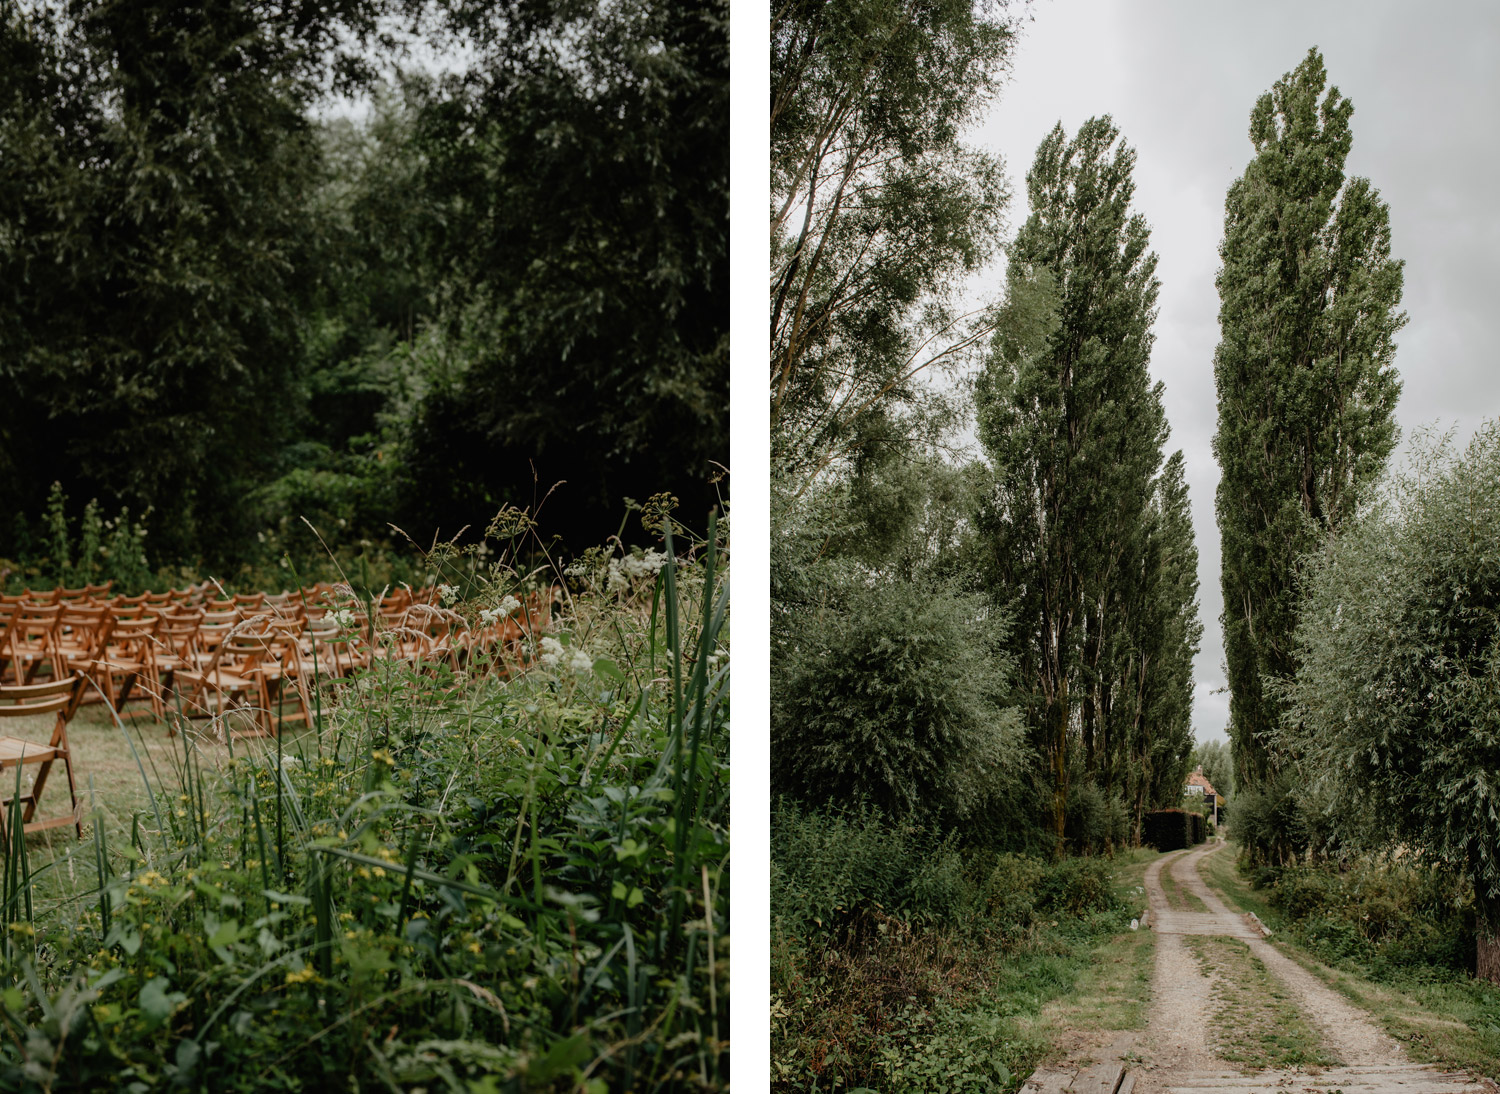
<point x="1174" y="1053"/>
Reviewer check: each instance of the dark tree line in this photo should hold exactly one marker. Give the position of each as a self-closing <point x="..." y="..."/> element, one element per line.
<point x="222" y="302"/>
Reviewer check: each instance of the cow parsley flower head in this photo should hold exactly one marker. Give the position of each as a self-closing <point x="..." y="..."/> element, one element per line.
<point x="581" y="663"/>
<point x="646" y="565"/>
<point x="344" y="618"/>
<point x="490" y="616"/>
<point x="552" y="652"/>
<point x="447" y="594"/>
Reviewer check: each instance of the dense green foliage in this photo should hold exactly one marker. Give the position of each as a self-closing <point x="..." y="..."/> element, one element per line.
<point x="1088" y="539"/>
<point x="228" y="307"/>
<point x="583" y="170"/>
<point x="1391" y="919"/>
<point x="1392" y="711"/>
<point x="895" y="697"/>
<point x="900" y="961"/>
<point x="450" y="884"/>
<point x="1306" y="385"/>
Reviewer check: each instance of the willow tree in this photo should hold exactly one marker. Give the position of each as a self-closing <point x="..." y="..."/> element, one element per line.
<point x="1073" y="427"/>
<point x="1308" y="295"/>
<point x="1393" y="709"/>
<point x="878" y="208"/>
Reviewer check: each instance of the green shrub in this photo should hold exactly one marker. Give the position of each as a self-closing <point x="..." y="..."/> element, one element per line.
<point x="1076" y="887"/>
<point x="1388" y="918"/>
<point x="948" y="1050"/>
<point x="1089" y="821"/>
<point x="895" y="696"/>
<point x="1173" y="829"/>
<point x="831" y="869"/>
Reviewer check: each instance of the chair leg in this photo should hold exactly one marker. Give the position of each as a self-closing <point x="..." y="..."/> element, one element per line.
<point x="36" y="790"/>
<point x="67" y="760"/>
<point x="125" y="689"/>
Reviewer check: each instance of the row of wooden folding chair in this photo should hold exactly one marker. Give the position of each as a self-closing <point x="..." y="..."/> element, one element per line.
<point x="124" y="652"/>
<point x="60" y="698"/>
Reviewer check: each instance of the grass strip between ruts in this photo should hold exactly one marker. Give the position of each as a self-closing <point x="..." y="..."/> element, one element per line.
<point x="1255" y="1021"/>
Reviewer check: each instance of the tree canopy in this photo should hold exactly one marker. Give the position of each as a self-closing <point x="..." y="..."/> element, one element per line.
<point x="1305" y="373"/>
<point x="1392" y="712"/>
<point x="225" y="302"/>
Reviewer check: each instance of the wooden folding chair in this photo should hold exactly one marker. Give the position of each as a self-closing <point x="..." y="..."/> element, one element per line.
<point x="58" y="697"/>
<point x="131" y="655"/>
<point x="287" y="667"/>
<point x="82" y="633"/>
<point x="324" y="643"/>
<point x="7" y="655"/>
<point x="33" y="641"/>
<point x="228" y="682"/>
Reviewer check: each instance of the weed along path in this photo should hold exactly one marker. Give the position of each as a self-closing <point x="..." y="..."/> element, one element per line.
<point x="1231" y="1014"/>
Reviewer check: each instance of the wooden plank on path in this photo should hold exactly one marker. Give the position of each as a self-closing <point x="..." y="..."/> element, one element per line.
<point x="1049" y="1081"/>
<point x="1101" y="1079"/>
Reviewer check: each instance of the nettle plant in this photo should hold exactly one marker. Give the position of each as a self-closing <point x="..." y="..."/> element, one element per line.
<point x="454" y="881"/>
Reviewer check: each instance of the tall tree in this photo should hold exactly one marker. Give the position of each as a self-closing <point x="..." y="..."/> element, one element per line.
<point x="1161" y="737"/>
<point x="1307" y="389"/>
<point x="155" y="244"/>
<point x="877" y="208"/>
<point x="1073" y="426"/>
<point x="1392" y="711"/>
<point x="585" y="157"/>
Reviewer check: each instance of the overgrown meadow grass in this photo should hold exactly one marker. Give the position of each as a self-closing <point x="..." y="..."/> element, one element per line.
<point x="904" y="960"/>
<point x="452" y="882"/>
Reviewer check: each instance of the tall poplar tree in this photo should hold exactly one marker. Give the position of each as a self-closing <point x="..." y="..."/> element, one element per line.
<point x="1306" y="385"/>
<point x="1072" y="425"/>
<point x="1154" y="708"/>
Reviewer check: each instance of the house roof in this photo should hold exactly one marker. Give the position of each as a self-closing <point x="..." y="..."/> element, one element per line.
<point x="1197" y="779"/>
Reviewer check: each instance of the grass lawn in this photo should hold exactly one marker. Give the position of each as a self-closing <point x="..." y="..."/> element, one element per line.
<point x="1452" y="1023"/>
<point x="1113" y="989"/>
<point x="109" y="760"/>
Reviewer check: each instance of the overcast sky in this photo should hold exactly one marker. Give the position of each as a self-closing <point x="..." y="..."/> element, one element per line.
<point x="1179" y="78"/>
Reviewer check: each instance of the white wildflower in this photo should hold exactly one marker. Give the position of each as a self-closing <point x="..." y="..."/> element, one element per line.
<point x="552" y="651"/>
<point x="344" y="618"/>
<point x="646" y="565"/>
<point x="490" y="616"/>
<point x="581" y="663"/>
<point x="447" y="594"/>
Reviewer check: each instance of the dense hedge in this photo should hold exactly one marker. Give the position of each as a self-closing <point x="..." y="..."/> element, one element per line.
<point x="1173" y="829"/>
